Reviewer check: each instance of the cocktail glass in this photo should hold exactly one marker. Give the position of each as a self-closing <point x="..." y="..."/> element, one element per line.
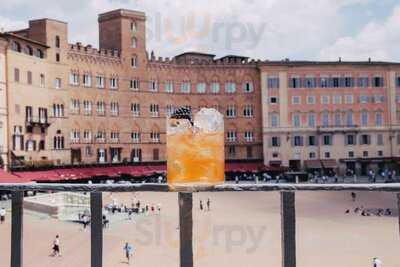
<point x="195" y="153"/>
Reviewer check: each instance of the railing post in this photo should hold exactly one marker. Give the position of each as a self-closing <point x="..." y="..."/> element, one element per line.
<point x="288" y="229"/>
<point x="398" y="207"/>
<point x="16" y="228"/>
<point x="186" y="229"/>
<point x="96" y="229"/>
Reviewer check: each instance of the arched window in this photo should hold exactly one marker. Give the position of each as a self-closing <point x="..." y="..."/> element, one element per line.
<point x="311" y="120"/>
<point x="133" y="42"/>
<point x="58" y="141"/>
<point x="15" y="46"/>
<point x="325" y="119"/>
<point x="155" y="135"/>
<point x="349" y="118"/>
<point x="338" y="118"/>
<point x="57" y="41"/>
<point x="39" y="53"/>
<point x="378" y="118"/>
<point x="296" y="120"/>
<point x="133" y="26"/>
<point x="364" y="118"/>
<point x="134" y="61"/>
<point x="29" y="50"/>
<point x="274" y="120"/>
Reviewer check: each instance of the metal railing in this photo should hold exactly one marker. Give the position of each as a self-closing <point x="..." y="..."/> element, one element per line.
<point x="185" y="202"/>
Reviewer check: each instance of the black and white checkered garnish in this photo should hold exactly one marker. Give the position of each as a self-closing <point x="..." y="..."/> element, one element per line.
<point x="183" y="113"/>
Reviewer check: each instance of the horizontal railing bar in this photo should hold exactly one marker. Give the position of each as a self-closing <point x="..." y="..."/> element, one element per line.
<point x="393" y="187"/>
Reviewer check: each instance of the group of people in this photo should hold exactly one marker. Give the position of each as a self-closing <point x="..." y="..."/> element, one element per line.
<point x="371" y="212"/>
<point x="84" y="218"/>
<point x="385" y="174"/>
<point x="208" y="203"/>
<point x="136" y="207"/>
<point x="255" y="177"/>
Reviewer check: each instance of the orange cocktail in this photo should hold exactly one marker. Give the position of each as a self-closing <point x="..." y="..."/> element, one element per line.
<point x="195" y="154"/>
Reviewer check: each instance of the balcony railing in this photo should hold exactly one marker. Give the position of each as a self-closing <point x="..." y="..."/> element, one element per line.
<point x="185" y="203"/>
<point x="40" y="121"/>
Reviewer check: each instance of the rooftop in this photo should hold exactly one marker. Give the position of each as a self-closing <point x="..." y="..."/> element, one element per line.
<point x="13" y="35"/>
<point x="294" y="63"/>
<point x="122" y="13"/>
<point x="193" y="53"/>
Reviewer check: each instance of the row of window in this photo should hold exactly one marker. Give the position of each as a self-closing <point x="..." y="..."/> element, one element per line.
<point x="18" y="143"/>
<point x="201" y="88"/>
<point x="328" y="119"/>
<point x="136" y="109"/>
<point x="328" y="140"/>
<point x="154" y="85"/>
<point x="231" y="136"/>
<point x="335" y="99"/>
<point x="30" y="79"/>
<point x="329" y="81"/>
<point x="74" y="79"/>
<point x="101" y="136"/>
<point x="17" y="47"/>
<point x="327" y="155"/>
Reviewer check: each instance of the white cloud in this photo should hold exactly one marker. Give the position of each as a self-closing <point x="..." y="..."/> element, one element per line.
<point x="262" y="29"/>
<point x="7" y="24"/>
<point x="378" y="41"/>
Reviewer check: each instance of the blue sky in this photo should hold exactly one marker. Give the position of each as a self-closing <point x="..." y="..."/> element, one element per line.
<point x="264" y="29"/>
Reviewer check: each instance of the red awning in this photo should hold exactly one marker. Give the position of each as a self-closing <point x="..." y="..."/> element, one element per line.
<point x="313" y="164"/>
<point x="329" y="163"/>
<point x="118" y="171"/>
<point x="6" y="177"/>
<point x="159" y="168"/>
<point x="244" y="167"/>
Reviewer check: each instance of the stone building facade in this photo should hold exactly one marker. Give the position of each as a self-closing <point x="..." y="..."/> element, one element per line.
<point x="331" y="115"/>
<point x="71" y="103"/>
<point x="65" y="103"/>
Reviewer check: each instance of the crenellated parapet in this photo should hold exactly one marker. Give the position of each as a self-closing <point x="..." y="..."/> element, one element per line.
<point x="199" y="59"/>
<point x="93" y="55"/>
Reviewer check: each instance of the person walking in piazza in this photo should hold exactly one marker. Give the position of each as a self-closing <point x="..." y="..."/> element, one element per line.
<point x="2" y="215"/>
<point x="353" y="196"/>
<point x="85" y="221"/>
<point x="56" y="247"/>
<point x="159" y="208"/>
<point x="128" y="249"/>
<point x="201" y="204"/>
<point x="208" y="204"/>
